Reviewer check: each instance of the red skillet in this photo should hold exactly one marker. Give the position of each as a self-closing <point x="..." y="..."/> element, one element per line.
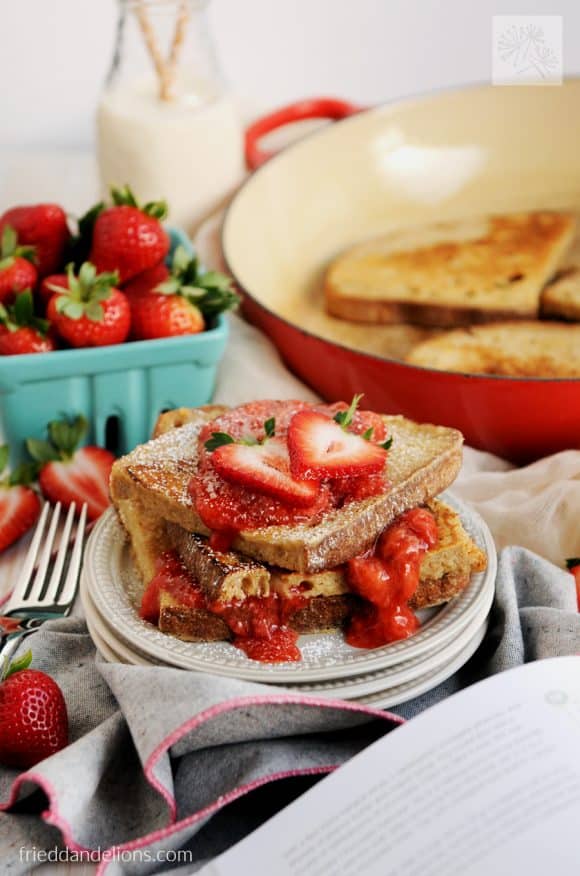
<point x="469" y="151"/>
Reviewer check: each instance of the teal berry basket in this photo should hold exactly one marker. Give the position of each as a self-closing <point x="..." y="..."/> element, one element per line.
<point x="120" y="389"/>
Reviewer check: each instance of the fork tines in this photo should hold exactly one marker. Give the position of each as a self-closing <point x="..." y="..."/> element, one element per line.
<point x="57" y="593"/>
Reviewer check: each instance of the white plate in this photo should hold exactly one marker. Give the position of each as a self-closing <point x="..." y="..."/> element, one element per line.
<point x="387" y="697"/>
<point x="394" y="696"/>
<point x="350" y="688"/>
<point x="115" y="588"/>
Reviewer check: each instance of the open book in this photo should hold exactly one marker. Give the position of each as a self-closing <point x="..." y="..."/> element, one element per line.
<point x="486" y="782"/>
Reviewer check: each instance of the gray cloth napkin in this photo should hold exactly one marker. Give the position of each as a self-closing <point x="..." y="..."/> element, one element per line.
<point x="162" y="759"/>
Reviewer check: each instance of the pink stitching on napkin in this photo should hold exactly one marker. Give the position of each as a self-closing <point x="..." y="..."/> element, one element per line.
<point x="240" y="791"/>
<point x="53" y="816"/>
<point x="50" y="815"/>
<point x="240" y="702"/>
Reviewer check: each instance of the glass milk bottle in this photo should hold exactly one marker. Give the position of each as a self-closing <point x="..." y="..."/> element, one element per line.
<point x="166" y="124"/>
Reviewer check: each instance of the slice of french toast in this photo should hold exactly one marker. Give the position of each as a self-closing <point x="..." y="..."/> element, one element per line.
<point x="326" y="600"/>
<point x="149" y="487"/>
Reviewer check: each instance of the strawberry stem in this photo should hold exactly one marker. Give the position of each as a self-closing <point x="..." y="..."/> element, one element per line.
<point x="9" y="249"/>
<point x="124" y="197"/>
<point x="210" y="291"/>
<point x="18" y="665"/>
<point x="64" y="437"/>
<point x="21" y="315"/>
<point x="85" y="292"/>
<point x="344" y="418"/>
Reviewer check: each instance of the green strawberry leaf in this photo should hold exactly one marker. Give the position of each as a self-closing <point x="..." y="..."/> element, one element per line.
<point x="70" y="308"/>
<point x="9" y="242"/>
<point x="87" y="274"/>
<point x="270" y="427"/>
<point x="368" y="434"/>
<point x="4" y="454"/>
<point x="123" y="196"/>
<point x="572" y="562"/>
<point x="65" y="435"/>
<point x="25" y="474"/>
<point x="344" y="418"/>
<point x="386" y="445"/>
<point x="94" y="311"/>
<point x="168" y="287"/>
<point x="183" y="261"/>
<point x="156" y="209"/>
<point x="17" y="665"/>
<point x="41" y="451"/>
<point x="79" y="246"/>
<point x="21" y="314"/>
<point x="218" y="439"/>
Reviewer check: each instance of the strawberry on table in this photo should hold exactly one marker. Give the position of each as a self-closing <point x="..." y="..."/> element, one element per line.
<point x="89" y="311"/>
<point x="21" y="331"/>
<point x="19" y="504"/>
<point x="179" y="300"/>
<point x="573" y="565"/>
<point x="17" y="271"/>
<point x="324" y="447"/>
<point x="33" y="715"/>
<point x="44" y="227"/>
<point x="68" y="474"/>
<point x="128" y="238"/>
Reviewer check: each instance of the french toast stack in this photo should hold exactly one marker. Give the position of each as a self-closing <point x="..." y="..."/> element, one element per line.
<point x="304" y="566"/>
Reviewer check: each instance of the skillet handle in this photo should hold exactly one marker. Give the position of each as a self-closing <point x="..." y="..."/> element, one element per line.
<point x="313" y="108"/>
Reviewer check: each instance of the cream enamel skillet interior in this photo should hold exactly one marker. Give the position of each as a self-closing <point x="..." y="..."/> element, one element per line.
<point x="445" y="157"/>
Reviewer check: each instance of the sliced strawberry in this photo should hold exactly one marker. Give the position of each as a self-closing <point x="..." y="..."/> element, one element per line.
<point x="69" y="475"/>
<point x="320" y="448"/>
<point x="19" y="510"/>
<point x="265" y="468"/>
<point x="363" y="422"/>
<point x="19" y="505"/>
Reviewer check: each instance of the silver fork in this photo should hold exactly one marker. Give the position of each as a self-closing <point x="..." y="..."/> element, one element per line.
<point x="34" y="599"/>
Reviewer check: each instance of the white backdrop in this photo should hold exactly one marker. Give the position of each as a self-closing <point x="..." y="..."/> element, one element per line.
<point x="54" y="53"/>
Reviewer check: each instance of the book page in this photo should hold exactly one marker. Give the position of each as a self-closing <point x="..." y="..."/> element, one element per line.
<point x="486" y="782"/>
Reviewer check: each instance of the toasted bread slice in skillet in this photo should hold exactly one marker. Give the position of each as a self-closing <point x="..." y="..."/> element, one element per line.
<point x="511" y="349"/>
<point x="153" y="481"/>
<point x="451" y="274"/>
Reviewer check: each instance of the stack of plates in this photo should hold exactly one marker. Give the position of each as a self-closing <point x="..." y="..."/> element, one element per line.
<point x="382" y="677"/>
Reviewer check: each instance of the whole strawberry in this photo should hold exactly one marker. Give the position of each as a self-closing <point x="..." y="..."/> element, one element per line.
<point x="17" y="271"/>
<point x="68" y="474"/>
<point x="89" y="311"/>
<point x="128" y="238"/>
<point x="19" y="504"/>
<point x="179" y="300"/>
<point x="21" y="331"/>
<point x="33" y="715"/>
<point x="46" y="288"/>
<point x="43" y="226"/>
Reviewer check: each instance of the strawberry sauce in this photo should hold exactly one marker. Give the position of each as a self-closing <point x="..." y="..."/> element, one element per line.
<point x="388" y="579"/>
<point x="258" y="624"/>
